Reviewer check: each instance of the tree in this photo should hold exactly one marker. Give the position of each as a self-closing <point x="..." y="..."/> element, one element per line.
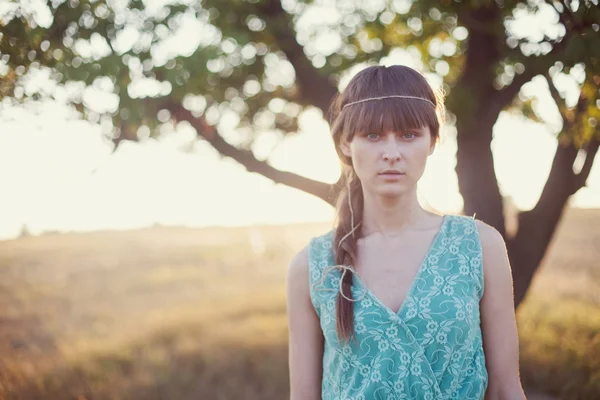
<point x="258" y="62"/>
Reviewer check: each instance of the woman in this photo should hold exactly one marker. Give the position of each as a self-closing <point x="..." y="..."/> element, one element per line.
<point x="391" y="303"/>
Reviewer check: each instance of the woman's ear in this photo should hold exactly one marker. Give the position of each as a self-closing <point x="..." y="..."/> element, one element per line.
<point x="432" y="147"/>
<point x="345" y="147"/>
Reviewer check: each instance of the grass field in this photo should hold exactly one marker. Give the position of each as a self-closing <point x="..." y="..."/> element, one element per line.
<point x="176" y="313"/>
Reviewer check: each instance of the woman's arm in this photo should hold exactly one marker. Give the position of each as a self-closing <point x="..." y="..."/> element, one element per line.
<point x="305" y="335"/>
<point x="498" y="321"/>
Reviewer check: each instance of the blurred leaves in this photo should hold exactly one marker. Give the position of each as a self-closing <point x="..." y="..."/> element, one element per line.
<point x="233" y="54"/>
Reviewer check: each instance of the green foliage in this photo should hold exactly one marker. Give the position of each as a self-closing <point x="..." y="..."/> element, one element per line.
<point x="236" y="58"/>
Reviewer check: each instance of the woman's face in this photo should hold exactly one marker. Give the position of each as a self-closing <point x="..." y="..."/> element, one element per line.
<point x="402" y="154"/>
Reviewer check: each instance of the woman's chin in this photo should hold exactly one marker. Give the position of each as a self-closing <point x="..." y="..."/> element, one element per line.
<point x="391" y="191"/>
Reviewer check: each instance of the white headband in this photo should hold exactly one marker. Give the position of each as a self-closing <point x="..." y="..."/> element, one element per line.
<point x="387" y="97"/>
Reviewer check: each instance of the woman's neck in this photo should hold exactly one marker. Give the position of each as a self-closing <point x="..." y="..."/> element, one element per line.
<point x="392" y="217"/>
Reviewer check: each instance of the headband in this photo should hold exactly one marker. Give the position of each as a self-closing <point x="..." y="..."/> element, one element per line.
<point x="387" y="97"/>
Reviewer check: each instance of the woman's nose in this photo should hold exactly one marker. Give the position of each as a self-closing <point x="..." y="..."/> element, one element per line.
<point x="391" y="158"/>
<point x="391" y="152"/>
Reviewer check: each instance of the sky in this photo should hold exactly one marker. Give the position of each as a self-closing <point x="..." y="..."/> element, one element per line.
<point x="57" y="174"/>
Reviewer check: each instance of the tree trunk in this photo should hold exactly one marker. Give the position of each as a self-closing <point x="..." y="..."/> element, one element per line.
<point x="537" y="227"/>
<point x="476" y="175"/>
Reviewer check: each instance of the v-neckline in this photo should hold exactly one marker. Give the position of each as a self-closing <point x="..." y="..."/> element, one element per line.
<point x="420" y="271"/>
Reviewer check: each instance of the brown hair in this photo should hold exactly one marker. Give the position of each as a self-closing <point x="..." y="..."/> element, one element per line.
<point x="391" y="114"/>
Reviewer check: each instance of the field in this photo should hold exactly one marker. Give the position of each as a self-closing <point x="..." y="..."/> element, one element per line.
<point x="177" y="313"/>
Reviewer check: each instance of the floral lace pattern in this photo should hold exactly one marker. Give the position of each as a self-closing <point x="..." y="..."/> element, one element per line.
<point x="431" y="348"/>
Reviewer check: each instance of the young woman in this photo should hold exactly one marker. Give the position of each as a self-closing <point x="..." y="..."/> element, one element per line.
<point x="390" y="304"/>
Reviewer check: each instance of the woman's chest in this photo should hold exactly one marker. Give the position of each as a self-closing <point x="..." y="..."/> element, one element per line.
<point x="441" y="299"/>
<point x="389" y="272"/>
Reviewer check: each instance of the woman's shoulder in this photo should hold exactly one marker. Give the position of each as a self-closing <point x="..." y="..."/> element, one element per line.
<point x="487" y="233"/>
<point x="299" y="264"/>
<point x="491" y="240"/>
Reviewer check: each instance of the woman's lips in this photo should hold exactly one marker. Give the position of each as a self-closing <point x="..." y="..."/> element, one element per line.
<point x="392" y="175"/>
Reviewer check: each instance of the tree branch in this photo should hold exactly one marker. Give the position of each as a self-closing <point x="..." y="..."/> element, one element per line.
<point x="563" y="181"/>
<point x="315" y="89"/>
<point x="535" y="66"/>
<point x="537" y="226"/>
<point x="539" y="65"/>
<point x="558" y="100"/>
<point x="247" y="159"/>
<point x="591" y="151"/>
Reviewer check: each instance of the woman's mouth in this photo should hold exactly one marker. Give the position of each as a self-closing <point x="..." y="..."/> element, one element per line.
<point x="392" y="174"/>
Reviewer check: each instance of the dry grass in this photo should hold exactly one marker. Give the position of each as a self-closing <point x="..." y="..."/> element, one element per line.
<point x="164" y="313"/>
<point x="559" y="322"/>
<point x="175" y="313"/>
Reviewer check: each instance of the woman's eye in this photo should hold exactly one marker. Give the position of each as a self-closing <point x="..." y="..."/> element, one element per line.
<point x="409" y="133"/>
<point x="373" y="136"/>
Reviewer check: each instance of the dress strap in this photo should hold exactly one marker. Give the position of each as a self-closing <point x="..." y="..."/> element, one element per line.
<point x="475" y="251"/>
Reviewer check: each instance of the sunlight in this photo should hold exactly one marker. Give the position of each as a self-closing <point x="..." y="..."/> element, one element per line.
<point x="50" y="186"/>
<point x="70" y="181"/>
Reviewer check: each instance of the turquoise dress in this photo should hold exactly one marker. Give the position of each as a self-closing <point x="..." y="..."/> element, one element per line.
<point x="431" y="349"/>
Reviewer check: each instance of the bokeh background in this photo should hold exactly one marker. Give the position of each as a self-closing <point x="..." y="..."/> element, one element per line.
<point x="162" y="161"/>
